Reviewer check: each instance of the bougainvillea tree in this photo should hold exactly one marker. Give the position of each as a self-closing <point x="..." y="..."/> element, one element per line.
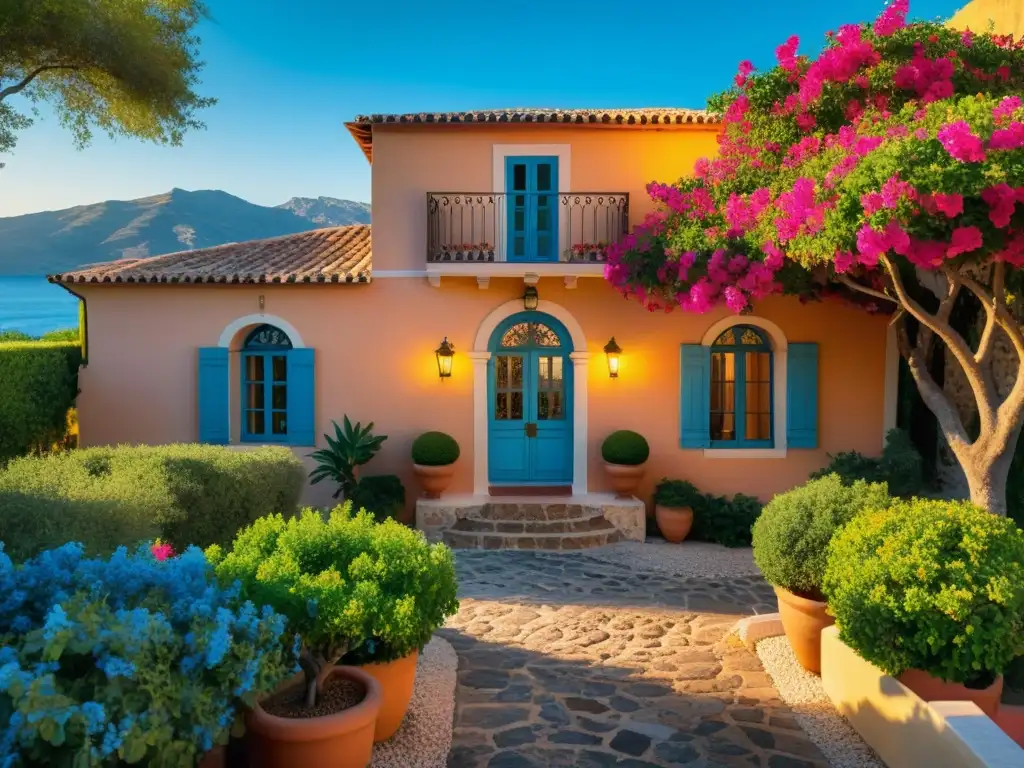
<point x="888" y="170"/>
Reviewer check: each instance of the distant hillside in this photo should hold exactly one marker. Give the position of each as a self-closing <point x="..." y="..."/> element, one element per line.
<point x="329" y="211"/>
<point x="57" y="241"/>
<point x="1006" y="15"/>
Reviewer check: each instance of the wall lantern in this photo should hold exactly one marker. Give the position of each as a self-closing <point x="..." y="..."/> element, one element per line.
<point x="530" y="298"/>
<point x="444" y="355"/>
<point x="613" y="350"/>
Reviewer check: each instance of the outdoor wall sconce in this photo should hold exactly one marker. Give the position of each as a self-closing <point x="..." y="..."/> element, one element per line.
<point x="613" y="350"/>
<point x="262" y="302"/>
<point x="530" y="298"/>
<point x="444" y="355"/>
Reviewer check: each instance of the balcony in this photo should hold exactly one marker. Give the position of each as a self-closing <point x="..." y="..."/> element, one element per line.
<point x="492" y="234"/>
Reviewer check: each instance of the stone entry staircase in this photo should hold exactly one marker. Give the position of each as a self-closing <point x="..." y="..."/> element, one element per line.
<point x="532" y="525"/>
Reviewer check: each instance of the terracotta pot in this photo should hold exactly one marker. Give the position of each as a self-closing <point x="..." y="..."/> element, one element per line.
<point x="215" y="758"/>
<point x="931" y="688"/>
<point x="624" y="478"/>
<point x="396" y="679"/>
<point x="435" y="480"/>
<point x="341" y="740"/>
<point x="1010" y="717"/>
<point x="803" y="619"/>
<point x="674" y="522"/>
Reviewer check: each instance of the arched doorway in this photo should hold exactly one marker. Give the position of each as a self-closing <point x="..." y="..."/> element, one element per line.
<point x="530" y="402"/>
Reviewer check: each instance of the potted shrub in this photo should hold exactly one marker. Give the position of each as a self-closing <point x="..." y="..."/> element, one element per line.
<point x="349" y="449"/>
<point x="624" y="453"/>
<point x="433" y="457"/>
<point x="128" y="659"/>
<point x="381" y="495"/>
<point x="674" y="501"/>
<point x="932" y="592"/>
<point x="791" y="538"/>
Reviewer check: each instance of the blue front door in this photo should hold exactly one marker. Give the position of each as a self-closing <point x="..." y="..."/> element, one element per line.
<point x="530" y="387"/>
<point x="531" y="187"/>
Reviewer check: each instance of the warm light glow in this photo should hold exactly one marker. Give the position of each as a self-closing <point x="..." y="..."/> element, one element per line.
<point x="444" y="355"/>
<point x="612" y="351"/>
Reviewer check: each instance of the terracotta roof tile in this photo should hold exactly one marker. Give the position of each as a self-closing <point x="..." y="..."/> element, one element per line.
<point x="330" y="255"/>
<point x="362" y="127"/>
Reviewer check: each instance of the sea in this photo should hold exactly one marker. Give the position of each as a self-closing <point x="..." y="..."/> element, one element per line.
<point x="31" y="305"/>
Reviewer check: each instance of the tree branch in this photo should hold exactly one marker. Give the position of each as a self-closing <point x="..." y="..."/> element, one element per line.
<point x="20" y="86"/>
<point x="854" y="285"/>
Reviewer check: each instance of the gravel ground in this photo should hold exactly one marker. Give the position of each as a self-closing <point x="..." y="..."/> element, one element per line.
<point x="691" y="559"/>
<point x="425" y="737"/>
<point x="803" y="691"/>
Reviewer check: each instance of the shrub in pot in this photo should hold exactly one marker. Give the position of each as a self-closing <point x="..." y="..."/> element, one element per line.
<point x="128" y="659"/>
<point x="674" y="501"/>
<point x="624" y="453"/>
<point x="791" y="538"/>
<point x="932" y="592"/>
<point x="433" y="457"/>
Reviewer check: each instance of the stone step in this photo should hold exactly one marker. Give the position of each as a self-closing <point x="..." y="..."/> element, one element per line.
<point x="592" y="524"/>
<point x="545" y="541"/>
<point x="510" y="512"/>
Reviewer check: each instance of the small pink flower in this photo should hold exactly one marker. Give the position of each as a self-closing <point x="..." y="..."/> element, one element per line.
<point x="1011" y="137"/>
<point x="1005" y="109"/>
<point x="961" y="143"/>
<point x="967" y="38"/>
<point x="964" y="240"/>
<point x="786" y="53"/>
<point x="951" y="205"/>
<point x="844" y="261"/>
<point x="161" y="550"/>
<point x="892" y="19"/>
<point x="1002" y="201"/>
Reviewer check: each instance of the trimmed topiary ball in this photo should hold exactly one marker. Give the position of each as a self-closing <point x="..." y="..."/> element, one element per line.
<point x="931" y="585"/>
<point x="792" y="533"/>
<point x="435" y="449"/>
<point x="625" y="447"/>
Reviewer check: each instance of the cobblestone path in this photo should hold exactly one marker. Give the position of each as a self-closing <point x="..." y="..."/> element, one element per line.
<point x="568" y="660"/>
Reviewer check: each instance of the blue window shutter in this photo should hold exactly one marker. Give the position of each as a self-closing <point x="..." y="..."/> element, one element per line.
<point x="213" y="396"/>
<point x="695" y="403"/>
<point x="802" y="396"/>
<point x="301" y="397"/>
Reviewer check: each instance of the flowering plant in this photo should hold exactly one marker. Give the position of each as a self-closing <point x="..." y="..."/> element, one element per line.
<point x="468" y="247"/>
<point x="897" y="152"/>
<point x="127" y="659"/>
<point x="582" y="250"/>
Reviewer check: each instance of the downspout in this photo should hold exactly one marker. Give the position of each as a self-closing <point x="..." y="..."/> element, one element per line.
<point x="83" y="322"/>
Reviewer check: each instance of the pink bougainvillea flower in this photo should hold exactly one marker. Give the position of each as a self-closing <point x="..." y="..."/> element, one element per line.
<point x="743" y="73"/>
<point x="964" y="240"/>
<point x="1002" y="201"/>
<point x="1011" y="137"/>
<point x="734" y="298"/>
<point x="928" y="254"/>
<point x="161" y="550"/>
<point x="806" y="121"/>
<point x="786" y="53"/>
<point x="967" y="38"/>
<point x="950" y="205"/>
<point x="961" y="143"/>
<point x="773" y="256"/>
<point x="844" y="261"/>
<point x="1005" y="109"/>
<point x="1013" y="253"/>
<point x="892" y="19"/>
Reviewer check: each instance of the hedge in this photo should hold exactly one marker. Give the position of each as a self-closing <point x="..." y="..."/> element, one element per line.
<point x="105" y="497"/>
<point x="38" y="384"/>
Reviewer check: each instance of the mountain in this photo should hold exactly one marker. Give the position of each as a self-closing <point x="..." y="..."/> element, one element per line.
<point x="1006" y="16"/>
<point x="329" y="211"/>
<point x="57" y="241"/>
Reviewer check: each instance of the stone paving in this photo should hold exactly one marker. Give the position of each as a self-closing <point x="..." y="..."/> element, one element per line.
<point x="568" y="660"/>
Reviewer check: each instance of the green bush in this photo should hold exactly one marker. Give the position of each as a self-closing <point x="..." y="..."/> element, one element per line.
<point x="900" y="466"/>
<point x="382" y="495"/>
<point x="930" y="585"/>
<point x="677" y="493"/>
<point x="791" y="535"/>
<point x="346" y="583"/>
<point x="38" y="384"/>
<point x="349" y="449"/>
<point x="725" y="521"/>
<point x="105" y="497"/>
<point x="435" y="449"/>
<point x="625" y="447"/>
<point x="63" y="334"/>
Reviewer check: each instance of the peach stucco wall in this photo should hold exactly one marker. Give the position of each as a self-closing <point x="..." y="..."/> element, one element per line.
<point x="374" y="360"/>
<point x="410" y="161"/>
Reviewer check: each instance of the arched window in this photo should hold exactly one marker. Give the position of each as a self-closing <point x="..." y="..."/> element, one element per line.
<point x="265" y="385"/>
<point x="741" y="389"/>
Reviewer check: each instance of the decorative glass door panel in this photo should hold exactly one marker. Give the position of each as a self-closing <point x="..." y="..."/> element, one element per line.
<point x="532" y="202"/>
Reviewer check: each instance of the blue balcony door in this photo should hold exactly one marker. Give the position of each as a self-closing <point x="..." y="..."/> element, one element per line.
<point x="531" y="186"/>
<point x="530" y="392"/>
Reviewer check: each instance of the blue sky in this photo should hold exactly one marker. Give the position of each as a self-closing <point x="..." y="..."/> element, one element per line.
<point x="288" y="73"/>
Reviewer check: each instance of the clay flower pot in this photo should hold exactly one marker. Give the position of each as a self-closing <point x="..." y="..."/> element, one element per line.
<point x="803" y="620"/>
<point x="396" y="679"/>
<point x="674" y="522"/>
<point x="624" y="478"/>
<point x="435" y="480"/>
<point x="931" y="688"/>
<point x="341" y="740"/>
<point x="215" y="758"/>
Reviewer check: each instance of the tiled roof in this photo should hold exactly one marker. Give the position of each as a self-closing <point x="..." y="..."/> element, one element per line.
<point x="362" y="127"/>
<point x="331" y="255"/>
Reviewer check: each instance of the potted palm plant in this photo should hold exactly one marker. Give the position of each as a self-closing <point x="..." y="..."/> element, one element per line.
<point x="625" y="453"/>
<point x="674" y="501"/>
<point x="433" y="460"/>
<point x="791" y="538"/>
<point x="349" y="449"/>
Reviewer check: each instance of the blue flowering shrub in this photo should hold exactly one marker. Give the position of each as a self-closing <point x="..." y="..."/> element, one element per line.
<point x="127" y="659"/>
<point x="345" y="583"/>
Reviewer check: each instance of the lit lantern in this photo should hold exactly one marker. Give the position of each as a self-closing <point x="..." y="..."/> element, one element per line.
<point x="530" y="298"/>
<point x="613" y="350"/>
<point x="444" y="355"/>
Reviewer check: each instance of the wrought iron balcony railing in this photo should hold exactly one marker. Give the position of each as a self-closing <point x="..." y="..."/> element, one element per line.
<point x="541" y="227"/>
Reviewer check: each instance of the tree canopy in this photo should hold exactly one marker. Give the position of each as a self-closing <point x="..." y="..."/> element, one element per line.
<point x="892" y="161"/>
<point x="127" y="67"/>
